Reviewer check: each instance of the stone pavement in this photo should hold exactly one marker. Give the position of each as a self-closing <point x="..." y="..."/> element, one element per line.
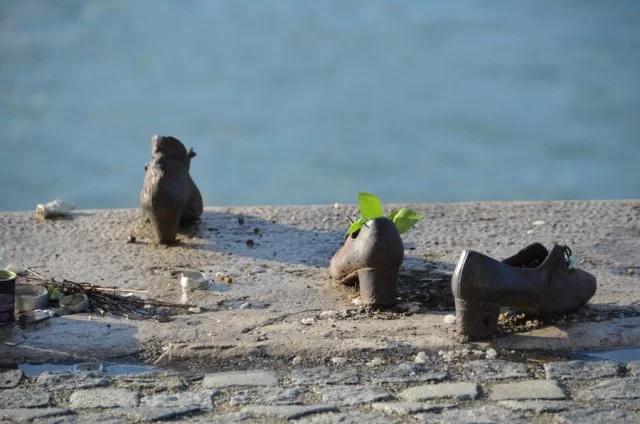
<point x="437" y="391"/>
<point x="315" y="355"/>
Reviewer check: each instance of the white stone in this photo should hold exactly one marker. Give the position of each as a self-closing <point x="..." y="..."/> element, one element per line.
<point x="329" y="314"/>
<point x="338" y="360"/>
<point x="421" y="358"/>
<point x="297" y="360"/>
<point x="307" y="321"/>
<point x="449" y="319"/>
<point x="374" y="362"/>
<point x="491" y="353"/>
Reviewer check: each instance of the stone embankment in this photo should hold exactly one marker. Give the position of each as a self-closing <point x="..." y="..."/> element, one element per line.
<point x="294" y="346"/>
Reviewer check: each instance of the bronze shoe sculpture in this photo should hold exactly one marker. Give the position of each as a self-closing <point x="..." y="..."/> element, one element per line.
<point x="169" y="196"/>
<point x="534" y="281"/>
<point x="372" y="256"/>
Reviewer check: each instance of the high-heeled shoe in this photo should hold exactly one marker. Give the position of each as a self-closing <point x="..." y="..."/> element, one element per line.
<point x="534" y="281"/>
<point x="169" y="196"/>
<point x="372" y="256"/>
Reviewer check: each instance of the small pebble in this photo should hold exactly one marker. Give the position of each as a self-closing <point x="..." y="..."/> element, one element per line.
<point x="356" y="301"/>
<point x="375" y="362"/>
<point x="338" y="360"/>
<point x="195" y="310"/>
<point x="241" y="221"/>
<point x="449" y="319"/>
<point x="537" y="223"/>
<point x="421" y="358"/>
<point x="245" y="305"/>
<point x="329" y="314"/>
<point x="491" y="353"/>
<point x="336" y="205"/>
<point x="131" y="239"/>
<point x="308" y="321"/>
<point x="249" y="243"/>
<point x="297" y="360"/>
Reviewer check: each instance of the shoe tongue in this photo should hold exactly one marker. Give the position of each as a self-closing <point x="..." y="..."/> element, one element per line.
<point x="529" y="257"/>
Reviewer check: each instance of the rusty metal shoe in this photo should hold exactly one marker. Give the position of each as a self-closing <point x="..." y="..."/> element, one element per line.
<point x="169" y="196"/>
<point x="534" y="281"/>
<point x="371" y="256"/>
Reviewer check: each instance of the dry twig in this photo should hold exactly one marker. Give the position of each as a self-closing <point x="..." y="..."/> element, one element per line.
<point x="104" y="299"/>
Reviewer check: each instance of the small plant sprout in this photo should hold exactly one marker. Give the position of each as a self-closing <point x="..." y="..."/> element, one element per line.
<point x="371" y="208"/>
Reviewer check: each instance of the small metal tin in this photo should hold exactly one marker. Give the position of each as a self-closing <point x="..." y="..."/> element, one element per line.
<point x="7" y="296"/>
<point x="192" y="280"/>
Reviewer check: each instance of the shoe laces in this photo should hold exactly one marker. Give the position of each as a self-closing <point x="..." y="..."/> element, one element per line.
<point x="569" y="260"/>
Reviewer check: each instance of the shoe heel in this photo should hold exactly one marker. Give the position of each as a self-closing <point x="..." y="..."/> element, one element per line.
<point x="165" y="223"/>
<point x="377" y="286"/>
<point x="475" y="320"/>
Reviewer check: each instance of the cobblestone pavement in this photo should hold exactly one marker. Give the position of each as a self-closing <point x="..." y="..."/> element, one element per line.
<point x="473" y="390"/>
<point x="313" y="357"/>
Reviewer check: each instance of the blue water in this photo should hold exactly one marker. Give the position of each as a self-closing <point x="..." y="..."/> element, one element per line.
<point x="311" y="102"/>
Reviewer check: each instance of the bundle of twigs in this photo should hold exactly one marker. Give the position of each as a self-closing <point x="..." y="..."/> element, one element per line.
<point x="107" y="300"/>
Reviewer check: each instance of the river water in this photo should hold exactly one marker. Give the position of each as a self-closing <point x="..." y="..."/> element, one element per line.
<point x="310" y="102"/>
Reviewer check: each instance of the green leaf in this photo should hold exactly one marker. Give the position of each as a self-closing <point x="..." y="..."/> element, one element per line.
<point x="53" y="293"/>
<point x="404" y="219"/>
<point x="356" y="225"/>
<point x="370" y="206"/>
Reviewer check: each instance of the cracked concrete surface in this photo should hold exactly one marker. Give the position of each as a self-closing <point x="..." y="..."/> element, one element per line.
<point x="282" y="275"/>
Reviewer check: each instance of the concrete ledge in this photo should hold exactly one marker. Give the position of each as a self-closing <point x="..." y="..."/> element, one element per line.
<point x="284" y="279"/>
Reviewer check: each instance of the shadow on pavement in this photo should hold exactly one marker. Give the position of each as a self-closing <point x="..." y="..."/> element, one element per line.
<point x="68" y="338"/>
<point x="251" y="236"/>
